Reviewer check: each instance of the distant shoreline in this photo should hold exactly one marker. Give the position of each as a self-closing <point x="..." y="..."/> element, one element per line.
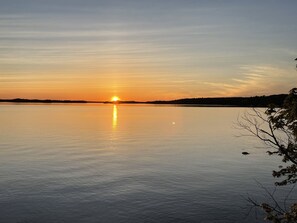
<point x="21" y="100"/>
<point x="256" y="101"/>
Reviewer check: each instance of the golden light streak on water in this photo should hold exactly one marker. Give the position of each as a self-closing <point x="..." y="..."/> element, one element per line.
<point x="114" y="117"/>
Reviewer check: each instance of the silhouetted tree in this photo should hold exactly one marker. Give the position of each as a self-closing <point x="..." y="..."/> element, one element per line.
<point x="277" y="128"/>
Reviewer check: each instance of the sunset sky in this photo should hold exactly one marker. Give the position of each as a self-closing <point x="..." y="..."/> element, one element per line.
<point x="146" y="50"/>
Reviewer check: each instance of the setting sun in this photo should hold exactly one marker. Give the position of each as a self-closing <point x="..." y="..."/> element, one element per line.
<point x="115" y="99"/>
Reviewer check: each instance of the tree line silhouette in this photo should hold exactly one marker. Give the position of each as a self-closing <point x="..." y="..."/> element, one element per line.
<point x="255" y="101"/>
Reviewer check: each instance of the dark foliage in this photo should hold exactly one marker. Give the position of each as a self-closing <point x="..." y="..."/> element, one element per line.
<point x="277" y="128"/>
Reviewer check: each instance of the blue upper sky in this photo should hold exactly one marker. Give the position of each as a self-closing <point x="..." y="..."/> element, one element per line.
<point x="156" y="49"/>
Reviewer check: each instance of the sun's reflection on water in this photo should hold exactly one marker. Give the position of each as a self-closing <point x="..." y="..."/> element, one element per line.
<point x="114" y="117"/>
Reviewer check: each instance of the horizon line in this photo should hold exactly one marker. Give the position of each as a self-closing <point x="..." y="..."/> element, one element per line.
<point x="124" y="101"/>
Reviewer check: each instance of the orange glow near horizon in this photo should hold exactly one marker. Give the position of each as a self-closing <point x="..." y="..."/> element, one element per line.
<point x="143" y="87"/>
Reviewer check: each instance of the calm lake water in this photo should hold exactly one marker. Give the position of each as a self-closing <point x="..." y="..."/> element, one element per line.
<point x="127" y="163"/>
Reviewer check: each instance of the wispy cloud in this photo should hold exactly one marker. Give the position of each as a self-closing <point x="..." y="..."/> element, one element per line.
<point x="254" y="80"/>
